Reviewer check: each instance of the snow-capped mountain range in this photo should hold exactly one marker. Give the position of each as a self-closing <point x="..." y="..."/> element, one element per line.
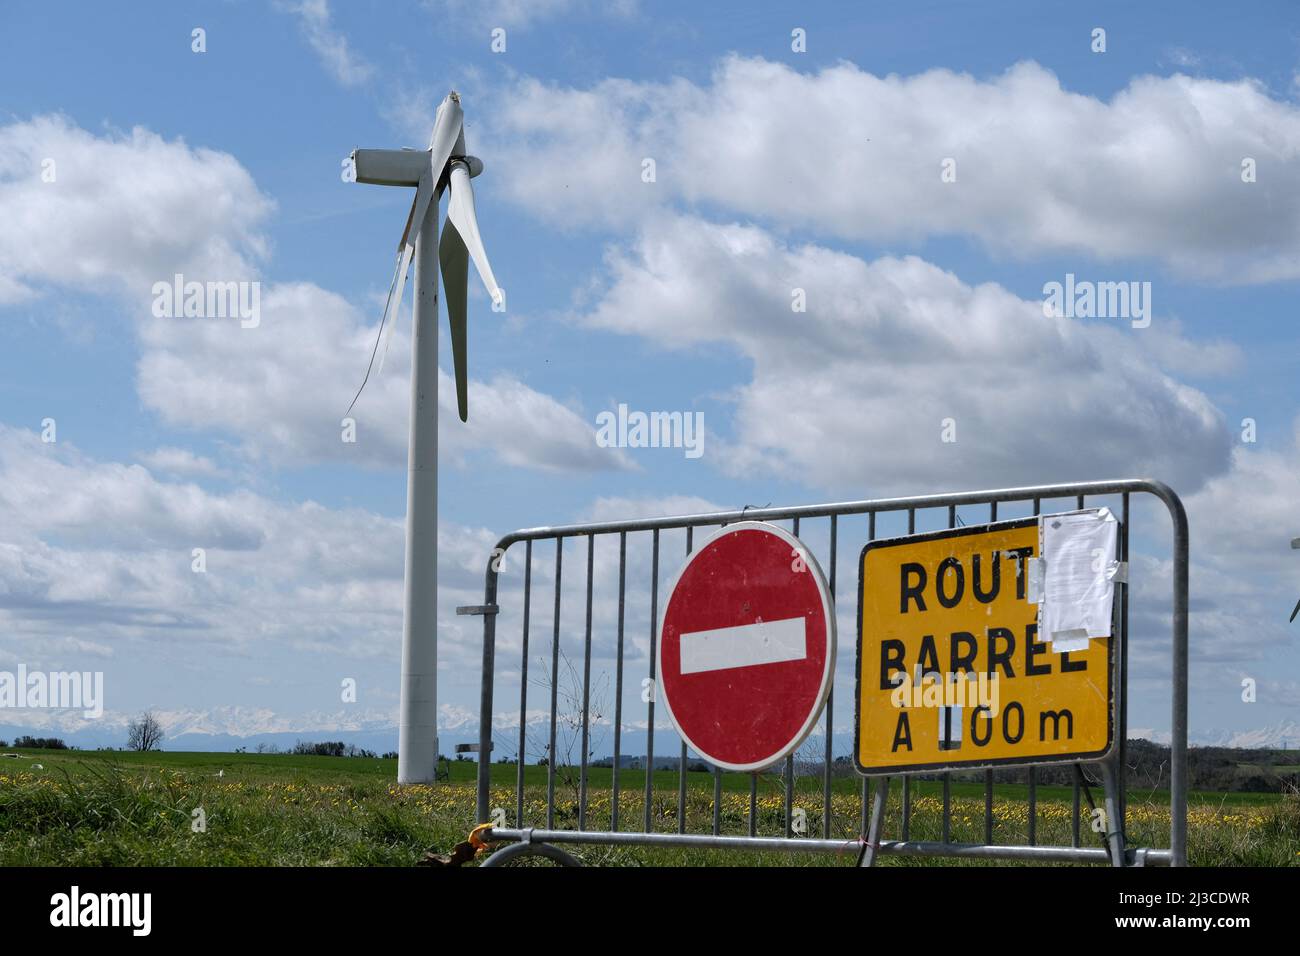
<point x="225" y="728"/>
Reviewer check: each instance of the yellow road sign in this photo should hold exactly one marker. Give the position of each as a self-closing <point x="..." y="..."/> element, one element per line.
<point x="951" y="673"/>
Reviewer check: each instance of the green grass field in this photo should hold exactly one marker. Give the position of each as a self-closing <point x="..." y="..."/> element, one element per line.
<point x="128" y="809"/>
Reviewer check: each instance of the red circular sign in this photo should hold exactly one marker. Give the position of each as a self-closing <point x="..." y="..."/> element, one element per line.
<point x="747" y="646"/>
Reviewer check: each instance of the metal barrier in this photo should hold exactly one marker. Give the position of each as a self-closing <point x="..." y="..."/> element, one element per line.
<point x="868" y="840"/>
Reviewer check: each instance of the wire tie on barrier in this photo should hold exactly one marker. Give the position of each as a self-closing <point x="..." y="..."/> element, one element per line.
<point x="475" y="838"/>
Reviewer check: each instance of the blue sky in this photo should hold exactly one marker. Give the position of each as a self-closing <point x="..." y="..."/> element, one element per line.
<point x="775" y="169"/>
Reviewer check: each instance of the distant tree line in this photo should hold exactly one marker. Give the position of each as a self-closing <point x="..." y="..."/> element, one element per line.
<point x="1220" y="769"/>
<point x="329" y="748"/>
<point x="37" y="743"/>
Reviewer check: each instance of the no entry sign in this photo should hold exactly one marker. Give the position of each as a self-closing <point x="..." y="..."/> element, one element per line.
<point x="747" y="646"/>
<point x="951" y="670"/>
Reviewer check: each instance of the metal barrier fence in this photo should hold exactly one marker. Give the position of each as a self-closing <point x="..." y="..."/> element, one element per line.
<point x="1112" y="768"/>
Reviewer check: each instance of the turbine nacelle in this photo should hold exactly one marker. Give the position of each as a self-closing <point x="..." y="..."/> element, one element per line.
<point x="402" y="167"/>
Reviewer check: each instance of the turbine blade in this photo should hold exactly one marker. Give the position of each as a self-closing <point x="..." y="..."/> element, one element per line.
<point x="399" y="283"/>
<point x="378" y="338"/>
<point x="419" y="208"/>
<point x="454" y="259"/>
<point x="461" y="214"/>
<point x="448" y="130"/>
<point x="1296" y="611"/>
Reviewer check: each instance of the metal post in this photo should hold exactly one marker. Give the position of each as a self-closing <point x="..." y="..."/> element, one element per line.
<point x="877" y="822"/>
<point x="485" y="696"/>
<point x="1114" y="837"/>
<point x="988" y="806"/>
<point x="555" y="687"/>
<point x="523" y="687"/>
<point x="717" y="800"/>
<point x="586" y="691"/>
<point x="618" y="679"/>
<point x="1122" y="684"/>
<point x="650" y="703"/>
<point x="1178" y="745"/>
<point x="906" y="828"/>
<point x="830" y="701"/>
<point x="1074" y="810"/>
<point x="417" y="745"/>
<point x="681" y="767"/>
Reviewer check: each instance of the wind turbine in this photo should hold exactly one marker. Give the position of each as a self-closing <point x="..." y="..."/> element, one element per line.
<point x="445" y="165"/>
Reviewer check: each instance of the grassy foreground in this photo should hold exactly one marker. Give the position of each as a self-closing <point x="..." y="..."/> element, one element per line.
<point x="60" y="808"/>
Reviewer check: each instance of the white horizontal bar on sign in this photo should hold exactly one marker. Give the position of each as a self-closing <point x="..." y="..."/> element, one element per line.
<point x="745" y="645"/>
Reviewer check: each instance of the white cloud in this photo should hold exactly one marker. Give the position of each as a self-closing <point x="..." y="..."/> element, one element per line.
<point x="182" y="462"/>
<point x="618" y="508"/>
<point x="99" y="554"/>
<point x="123" y="212"/>
<point x="523" y="13"/>
<point x="1155" y="172"/>
<point x="54" y="489"/>
<point x="347" y="67"/>
<point x="1244" y="520"/>
<point x="283" y="388"/>
<point x="852" y="395"/>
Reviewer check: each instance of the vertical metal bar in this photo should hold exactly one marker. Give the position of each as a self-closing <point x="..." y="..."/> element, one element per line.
<point x="789" y="760"/>
<point x="753" y="804"/>
<point x="681" y="770"/>
<point x="988" y="807"/>
<point x="1074" y="810"/>
<point x="1033" y="771"/>
<point x="681" y="791"/>
<point x="865" y="812"/>
<point x="947" y="808"/>
<point x="1075" y="833"/>
<point x="485" y="697"/>
<point x="618" y="679"/>
<point x="907" y="781"/>
<point x="653" y="688"/>
<point x="988" y="774"/>
<point x="788" y="774"/>
<point x="830" y="700"/>
<point x="947" y="777"/>
<point x="873" y="830"/>
<point x="586" y="692"/>
<point x="1122" y="686"/>
<point x="1178" y="723"/>
<point x="717" y="800"/>
<point x="523" y="686"/>
<point x="555" y="690"/>
<point x="1114" y="838"/>
<point x="871" y="536"/>
<point x="1033" y="806"/>
<point x="907" y="809"/>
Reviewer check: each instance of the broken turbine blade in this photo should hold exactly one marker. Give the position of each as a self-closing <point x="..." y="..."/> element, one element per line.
<point x="419" y="208"/>
<point x="454" y="260"/>
<point x="461" y="214"/>
<point x="448" y="130"/>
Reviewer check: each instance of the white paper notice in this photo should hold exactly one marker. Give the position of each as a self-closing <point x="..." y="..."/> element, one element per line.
<point x="1079" y="569"/>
